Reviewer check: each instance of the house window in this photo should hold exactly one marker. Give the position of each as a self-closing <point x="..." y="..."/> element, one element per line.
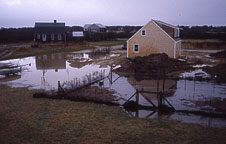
<point x="38" y="36"/>
<point x="52" y="37"/>
<point x="59" y="37"/>
<point x="143" y="32"/>
<point x="176" y="33"/>
<point x="136" y="48"/>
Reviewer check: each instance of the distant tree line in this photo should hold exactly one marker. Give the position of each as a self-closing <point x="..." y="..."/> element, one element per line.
<point x="203" y="32"/>
<point x="195" y="32"/>
<point x="113" y="32"/>
<point x="16" y="34"/>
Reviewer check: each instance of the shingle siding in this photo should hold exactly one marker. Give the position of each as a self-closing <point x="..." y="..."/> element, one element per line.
<point x="155" y="41"/>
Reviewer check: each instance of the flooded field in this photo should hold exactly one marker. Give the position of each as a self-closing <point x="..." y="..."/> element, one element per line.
<point x="44" y="72"/>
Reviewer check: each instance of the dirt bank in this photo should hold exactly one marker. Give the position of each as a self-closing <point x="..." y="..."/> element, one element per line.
<point x="88" y="94"/>
<point x="153" y="64"/>
<point x="24" y="119"/>
<point x="221" y="54"/>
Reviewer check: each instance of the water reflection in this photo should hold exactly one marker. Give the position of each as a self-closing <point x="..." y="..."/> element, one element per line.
<point x="44" y="72"/>
<point x="182" y="117"/>
<point x="49" y="62"/>
<point x="182" y="94"/>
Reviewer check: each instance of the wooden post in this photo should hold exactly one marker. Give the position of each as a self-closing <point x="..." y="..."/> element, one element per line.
<point x="137" y="113"/>
<point x="137" y="97"/>
<point x="111" y="74"/>
<point x="59" y="90"/>
<point x="160" y="99"/>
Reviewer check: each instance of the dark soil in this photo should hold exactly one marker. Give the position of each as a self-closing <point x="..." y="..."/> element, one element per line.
<point x="218" y="72"/>
<point x="221" y="54"/>
<point x="153" y="64"/>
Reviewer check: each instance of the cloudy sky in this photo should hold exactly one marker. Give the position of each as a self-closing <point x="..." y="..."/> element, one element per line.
<point x="24" y="13"/>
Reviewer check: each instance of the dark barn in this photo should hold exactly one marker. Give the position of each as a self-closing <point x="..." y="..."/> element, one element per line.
<point x="47" y="32"/>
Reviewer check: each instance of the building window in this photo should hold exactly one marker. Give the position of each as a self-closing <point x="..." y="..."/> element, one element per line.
<point x="136" y="48"/>
<point x="38" y="36"/>
<point x="59" y="37"/>
<point x="177" y="33"/>
<point x="52" y="37"/>
<point x="143" y="32"/>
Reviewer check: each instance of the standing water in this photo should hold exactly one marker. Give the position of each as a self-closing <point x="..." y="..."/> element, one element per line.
<point x="44" y="72"/>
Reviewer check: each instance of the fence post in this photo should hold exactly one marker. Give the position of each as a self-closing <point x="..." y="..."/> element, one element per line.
<point x="137" y="97"/>
<point x="59" y="90"/>
<point x="160" y="99"/>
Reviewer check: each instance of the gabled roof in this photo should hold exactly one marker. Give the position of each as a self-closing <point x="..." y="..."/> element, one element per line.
<point x="100" y="25"/>
<point x="49" y="24"/>
<point x="157" y="22"/>
<point x="166" y="24"/>
<point x="86" y="26"/>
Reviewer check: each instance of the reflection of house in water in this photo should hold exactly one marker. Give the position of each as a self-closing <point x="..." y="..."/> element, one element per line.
<point x="79" y="60"/>
<point x="151" y="85"/>
<point x="52" y="61"/>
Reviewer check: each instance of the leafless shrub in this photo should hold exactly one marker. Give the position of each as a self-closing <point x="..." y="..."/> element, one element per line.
<point x="101" y="51"/>
<point x="86" y="80"/>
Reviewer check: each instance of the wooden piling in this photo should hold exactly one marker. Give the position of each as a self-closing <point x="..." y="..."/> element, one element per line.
<point x="159" y="99"/>
<point x="137" y="98"/>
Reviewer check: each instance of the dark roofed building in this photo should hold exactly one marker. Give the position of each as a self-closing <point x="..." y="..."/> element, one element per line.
<point x="45" y="32"/>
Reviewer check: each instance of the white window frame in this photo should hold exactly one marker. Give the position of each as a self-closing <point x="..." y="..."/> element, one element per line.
<point x="134" y="48"/>
<point x="177" y="33"/>
<point x="144" y="33"/>
<point x="59" y="37"/>
<point x="52" y="37"/>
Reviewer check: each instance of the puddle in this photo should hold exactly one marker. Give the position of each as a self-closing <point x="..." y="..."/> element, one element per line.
<point x="183" y="95"/>
<point x="44" y="72"/>
<point x="184" y="118"/>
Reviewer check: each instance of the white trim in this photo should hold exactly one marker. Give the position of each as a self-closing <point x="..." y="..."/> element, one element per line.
<point x="138" y="48"/>
<point x="43" y="37"/>
<point x="174" y="55"/>
<point x="164" y="31"/>
<point x="127" y="43"/>
<point x="179" y="47"/>
<point x="144" y="32"/>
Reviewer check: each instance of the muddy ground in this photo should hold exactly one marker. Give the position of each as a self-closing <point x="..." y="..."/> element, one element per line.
<point x="24" y="119"/>
<point x="92" y="94"/>
<point x="154" y="65"/>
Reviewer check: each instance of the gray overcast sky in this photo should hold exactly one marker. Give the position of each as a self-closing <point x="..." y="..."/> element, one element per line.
<point x="24" y="13"/>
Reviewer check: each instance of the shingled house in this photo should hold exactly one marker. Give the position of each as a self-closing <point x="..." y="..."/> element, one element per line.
<point x="155" y="37"/>
<point x="46" y="32"/>
<point x="94" y="28"/>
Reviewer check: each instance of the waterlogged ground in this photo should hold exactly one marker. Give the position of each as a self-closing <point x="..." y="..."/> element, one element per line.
<point x="44" y="72"/>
